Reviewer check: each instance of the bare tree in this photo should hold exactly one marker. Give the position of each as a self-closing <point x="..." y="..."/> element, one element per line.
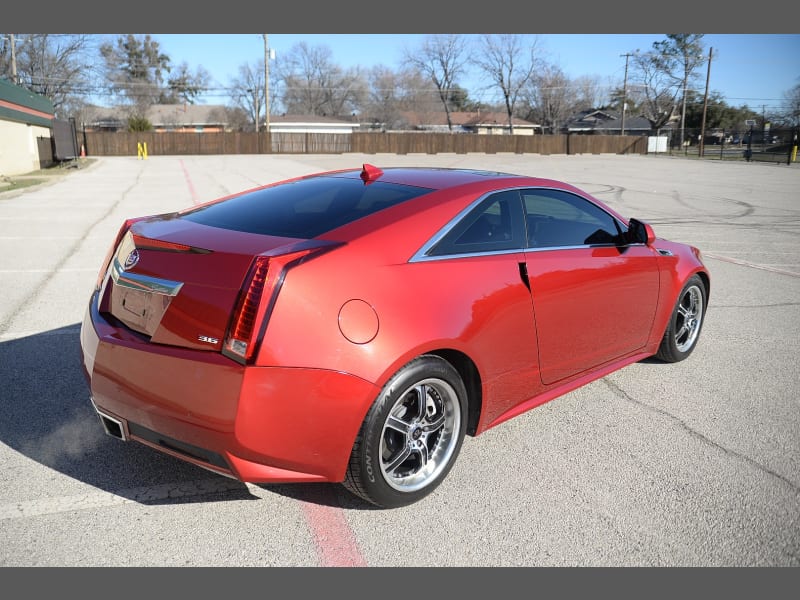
<point x="549" y="95"/>
<point x="679" y="56"/>
<point x="58" y="66"/>
<point x="394" y="94"/>
<point x="384" y="102"/>
<point x="791" y="113"/>
<point x="7" y="41"/>
<point x="509" y="61"/>
<point x="632" y="96"/>
<point x="247" y="92"/>
<point x="314" y="84"/>
<point x="659" y="89"/>
<point x="590" y="92"/>
<point x="234" y="118"/>
<point x="442" y="59"/>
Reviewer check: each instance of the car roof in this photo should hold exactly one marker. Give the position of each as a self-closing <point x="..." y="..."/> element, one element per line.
<point x="312" y="205"/>
<point x="434" y="178"/>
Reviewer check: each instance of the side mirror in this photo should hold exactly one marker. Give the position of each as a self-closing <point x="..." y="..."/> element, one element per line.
<point x="640" y="233"/>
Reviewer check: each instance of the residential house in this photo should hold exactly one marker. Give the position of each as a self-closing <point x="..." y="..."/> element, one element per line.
<point x="208" y="118"/>
<point x="484" y="123"/>
<point x="606" y="122"/>
<point x="309" y="124"/>
<point x="200" y="118"/>
<point x="187" y="118"/>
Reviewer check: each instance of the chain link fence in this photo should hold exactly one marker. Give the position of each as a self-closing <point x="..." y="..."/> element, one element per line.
<point x="779" y="145"/>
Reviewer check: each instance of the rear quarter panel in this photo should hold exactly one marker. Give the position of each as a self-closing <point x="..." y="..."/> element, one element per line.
<point x="478" y="306"/>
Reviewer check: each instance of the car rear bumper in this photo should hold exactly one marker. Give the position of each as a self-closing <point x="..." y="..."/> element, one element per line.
<point x="256" y="424"/>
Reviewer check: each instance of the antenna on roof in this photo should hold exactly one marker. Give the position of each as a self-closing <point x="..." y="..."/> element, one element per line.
<point x="370" y="173"/>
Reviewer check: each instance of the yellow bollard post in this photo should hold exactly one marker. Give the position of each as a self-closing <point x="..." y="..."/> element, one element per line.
<point x="138" y="150"/>
<point x="145" y="150"/>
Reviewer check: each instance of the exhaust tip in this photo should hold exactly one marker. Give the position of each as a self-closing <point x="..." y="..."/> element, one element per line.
<point x="111" y="425"/>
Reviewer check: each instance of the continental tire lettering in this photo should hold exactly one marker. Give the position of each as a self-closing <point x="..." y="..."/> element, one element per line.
<point x="368" y="463"/>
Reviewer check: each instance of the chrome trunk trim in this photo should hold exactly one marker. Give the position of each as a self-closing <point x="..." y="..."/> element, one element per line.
<point x="143" y="283"/>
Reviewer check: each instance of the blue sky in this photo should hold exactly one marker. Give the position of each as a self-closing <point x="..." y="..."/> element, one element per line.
<point x="752" y="69"/>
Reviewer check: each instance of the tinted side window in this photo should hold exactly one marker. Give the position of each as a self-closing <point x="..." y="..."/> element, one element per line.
<point x="496" y="224"/>
<point x="555" y="218"/>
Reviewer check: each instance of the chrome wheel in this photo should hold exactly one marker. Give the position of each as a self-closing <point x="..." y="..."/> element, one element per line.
<point x="689" y="317"/>
<point x="420" y="435"/>
<point x="411" y="435"/>
<point x="683" y="329"/>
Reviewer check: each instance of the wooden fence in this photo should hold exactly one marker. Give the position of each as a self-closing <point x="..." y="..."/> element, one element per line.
<point x="170" y="143"/>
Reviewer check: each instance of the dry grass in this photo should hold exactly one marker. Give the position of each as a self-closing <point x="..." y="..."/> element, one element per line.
<point x="10" y="183"/>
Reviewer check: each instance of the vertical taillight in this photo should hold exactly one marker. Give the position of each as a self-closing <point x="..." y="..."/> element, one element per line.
<point x="258" y="296"/>
<point x="240" y="339"/>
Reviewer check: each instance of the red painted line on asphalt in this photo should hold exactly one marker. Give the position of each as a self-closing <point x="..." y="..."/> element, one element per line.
<point x="744" y="263"/>
<point x="334" y="540"/>
<point x="189" y="183"/>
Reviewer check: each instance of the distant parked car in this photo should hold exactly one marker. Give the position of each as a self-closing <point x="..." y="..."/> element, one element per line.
<point x="353" y="326"/>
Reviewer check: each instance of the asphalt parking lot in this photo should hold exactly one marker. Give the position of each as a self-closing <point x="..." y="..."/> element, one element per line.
<point x="690" y="464"/>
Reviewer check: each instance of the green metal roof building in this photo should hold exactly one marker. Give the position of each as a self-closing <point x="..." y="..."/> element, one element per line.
<point x="26" y="125"/>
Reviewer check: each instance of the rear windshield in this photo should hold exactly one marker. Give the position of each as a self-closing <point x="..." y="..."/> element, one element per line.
<point x="305" y="208"/>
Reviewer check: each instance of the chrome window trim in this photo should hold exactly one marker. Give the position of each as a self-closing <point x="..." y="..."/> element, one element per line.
<point x="584" y="246"/>
<point x="422" y="255"/>
<point x="423" y="258"/>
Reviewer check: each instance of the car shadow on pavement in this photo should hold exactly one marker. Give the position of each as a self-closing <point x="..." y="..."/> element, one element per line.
<point x="47" y="417"/>
<point x="323" y="494"/>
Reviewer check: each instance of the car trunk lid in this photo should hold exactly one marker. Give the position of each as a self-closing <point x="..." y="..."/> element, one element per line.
<point x="177" y="282"/>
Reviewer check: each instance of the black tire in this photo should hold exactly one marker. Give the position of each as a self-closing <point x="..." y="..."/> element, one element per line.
<point x="411" y="435"/>
<point x="685" y="323"/>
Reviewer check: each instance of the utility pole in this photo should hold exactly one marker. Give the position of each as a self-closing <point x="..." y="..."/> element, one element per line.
<point x="705" y="106"/>
<point x="683" y="109"/>
<point x="13" y="60"/>
<point x="266" y="84"/>
<point x="256" y="107"/>
<point x="624" y="93"/>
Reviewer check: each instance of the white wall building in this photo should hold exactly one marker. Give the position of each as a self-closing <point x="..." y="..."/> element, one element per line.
<point x="26" y="121"/>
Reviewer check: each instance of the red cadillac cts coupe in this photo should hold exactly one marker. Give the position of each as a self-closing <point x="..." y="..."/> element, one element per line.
<point x="353" y="326"/>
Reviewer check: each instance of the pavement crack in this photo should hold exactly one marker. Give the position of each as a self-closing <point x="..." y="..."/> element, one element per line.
<point x="620" y="393"/>
<point x="775" y="305"/>
<point x="34" y="293"/>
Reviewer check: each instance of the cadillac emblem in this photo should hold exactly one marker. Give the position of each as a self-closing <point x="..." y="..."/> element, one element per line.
<point x="131" y="260"/>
